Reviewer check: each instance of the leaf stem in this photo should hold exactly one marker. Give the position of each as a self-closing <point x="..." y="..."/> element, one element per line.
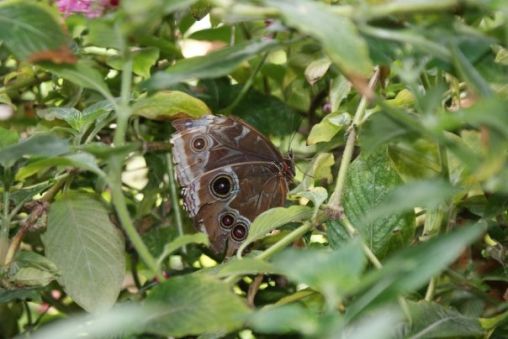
<point x="246" y="86"/>
<point x="175" y="199"/>
<point x="116" y="164"/>
<point x="351" y="230"/>
<point x="4" y="230"/>
<point x="335" y="199"/>
<point x="287" y="240"/>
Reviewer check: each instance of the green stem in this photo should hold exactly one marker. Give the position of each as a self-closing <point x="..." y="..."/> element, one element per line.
<point x="352" y="232"/>
<point x="246" y="86"/>
<point x="429" y="294"/>
<point x="116" y="165"/>
<point x="408" y="7"/>
<point x="4" y="230"/>
<point x="280" y="245"/>
<point x="335" y="198"/>
<point x="286" y="241"/>
<point x="175" y="199"/>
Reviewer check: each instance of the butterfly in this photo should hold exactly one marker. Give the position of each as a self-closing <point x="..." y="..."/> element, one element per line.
<point x="229" y="174"/>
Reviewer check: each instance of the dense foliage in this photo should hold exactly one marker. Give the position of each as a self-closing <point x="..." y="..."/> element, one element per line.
<point x="396" y="112"/>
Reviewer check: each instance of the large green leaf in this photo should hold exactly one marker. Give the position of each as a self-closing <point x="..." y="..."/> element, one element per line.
<point x="285" y="319"/>
<point x="167" y="105"/>
<point x="333" y="273"/>
<point x="427" y="194"/>
<point x="80" y="160"/>
<point x="195" y="304"/>
<point x="87" y="249"/>
<point x="38" y="145"/>
<point x="76" y="119"/>
<point x="142" y="61"/>
<point x="369" y="181"/>
<point x="431" y="320"/>
<point x="339" y="36"/>
<point x="117" y="322"/>
<point x="212" y="65"/>
<point x="31" y="32"/>
<point x="82" y="74"/>
<point x="413" y="267"/>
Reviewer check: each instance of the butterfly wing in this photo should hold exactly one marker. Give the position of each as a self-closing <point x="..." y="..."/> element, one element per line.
<point x="213" y="141"/>
<point x="224" y="201"/>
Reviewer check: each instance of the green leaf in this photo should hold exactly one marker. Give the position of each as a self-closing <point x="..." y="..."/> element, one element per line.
<point x="119" y="321"/>
<point x="212" y="65"/>
<point x="339" y="90"/>
<point x="32" y="32"/>
<point x="28" y="293"/>
<point x="76" y="119"/>
<point x="37" y="145"/>
<point x="381" y="324"/>
<point x="368" y="182"/>
<point x="431" y="320"/>
<point x="241" y="266"/>
<point x="333" y="273"/>
<point x="469" y="73"/>
<point x="327" y="128"/>
<point x="101" y="33"/>
<point x="81" y="160"/>
<point x="142" y="61"/>
<point x="319" y="168"/>
<point x="316" y="70"/>
<point x="83" y="74"/>
<point x="284" y="319"/>
<point x="195" y="304"/>
<point x="317" y="195"/>
<point x="68" y="114"/>
<point x="31" y="269"/>
<point x="339" y="36"/>
<point x="428" y="194"/>
<point x="7" y="137"/>
<point x="417" y="160"/>
<point x="87" y="249"/>
<point x="413" y="267"/>
<point x="273" y="218"/>
<point x="381" y="129"/>
<point x="27" y="193"/>
<point x="165" y="105"/>
<point x="221" y="33"/>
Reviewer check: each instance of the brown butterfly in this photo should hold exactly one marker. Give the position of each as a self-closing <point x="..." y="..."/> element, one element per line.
<point x="229" y="173"/>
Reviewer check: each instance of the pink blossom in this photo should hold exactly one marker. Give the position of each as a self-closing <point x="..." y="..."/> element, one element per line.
<point x="90" y="8"/>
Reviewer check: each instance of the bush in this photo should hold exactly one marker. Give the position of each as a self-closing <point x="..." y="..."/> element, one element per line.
<point x="395" y="113"/>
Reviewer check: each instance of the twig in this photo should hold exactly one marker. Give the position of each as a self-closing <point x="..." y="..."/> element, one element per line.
<point x="116" y="163"/>
<point x="253" y="289"/>
<point x="38" y="209"/>
<point x="335" y="199"/>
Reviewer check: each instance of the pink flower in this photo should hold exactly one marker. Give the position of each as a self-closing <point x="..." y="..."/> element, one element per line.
<point x="90" y="8"/>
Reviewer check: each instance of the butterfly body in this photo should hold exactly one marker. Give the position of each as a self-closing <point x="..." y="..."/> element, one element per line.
<point x="229" y="173"/>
